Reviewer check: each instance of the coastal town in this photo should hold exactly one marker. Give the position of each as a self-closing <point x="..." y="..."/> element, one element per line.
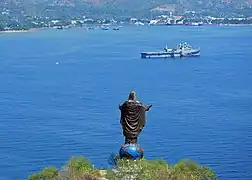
<point x="166" y="20"/>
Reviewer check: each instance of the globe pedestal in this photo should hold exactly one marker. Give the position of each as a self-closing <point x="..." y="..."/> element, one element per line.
<point x="131" y="151"/>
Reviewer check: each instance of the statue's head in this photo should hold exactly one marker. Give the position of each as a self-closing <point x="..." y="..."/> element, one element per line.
<point x="132" y="96"/>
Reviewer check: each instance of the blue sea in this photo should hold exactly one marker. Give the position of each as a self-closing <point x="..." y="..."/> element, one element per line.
<point x="60" y="91"/>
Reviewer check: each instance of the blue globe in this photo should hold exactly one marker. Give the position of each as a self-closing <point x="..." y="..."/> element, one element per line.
<point x="131" y="151"/>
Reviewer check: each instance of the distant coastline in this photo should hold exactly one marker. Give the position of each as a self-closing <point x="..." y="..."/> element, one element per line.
<point x="191" y="19"/>
<point x="235" y="25"/>
<point x="16" y="31"/>
<point x="21" y="30"/>
<point x="100" y="25"/>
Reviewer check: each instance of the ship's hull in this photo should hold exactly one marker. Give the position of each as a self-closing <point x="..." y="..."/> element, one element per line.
<point x="159" y="55"/>
<point x="170" y="54"/>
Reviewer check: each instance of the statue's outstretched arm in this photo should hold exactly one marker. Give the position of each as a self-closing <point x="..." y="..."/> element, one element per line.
<point x="147" y="108"/>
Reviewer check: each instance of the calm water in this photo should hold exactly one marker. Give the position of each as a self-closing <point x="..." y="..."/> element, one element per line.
<point x="202" y="107"/>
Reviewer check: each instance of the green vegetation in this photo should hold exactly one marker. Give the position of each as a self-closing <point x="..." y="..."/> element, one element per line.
<point x="79" y="168"/>
<point x="28" y="14"/>
<point x="158" y="169"/>
<point x="50" y="173"/>
<point x="60" y="9"/>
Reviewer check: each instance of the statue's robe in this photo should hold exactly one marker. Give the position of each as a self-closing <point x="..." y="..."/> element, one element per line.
<point x="132" y="118"/>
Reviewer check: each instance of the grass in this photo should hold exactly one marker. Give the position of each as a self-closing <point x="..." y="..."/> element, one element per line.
<point x="159" y="169"/>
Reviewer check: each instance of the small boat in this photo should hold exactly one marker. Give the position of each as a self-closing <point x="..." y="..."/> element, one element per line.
<point x="104" y="28"/>
<point x="139" y="23"/>
<point x="90" y="28"/>
<point x="59" y="27"/>
<point x="116" y="28"/>
<point x="182" y="50"/>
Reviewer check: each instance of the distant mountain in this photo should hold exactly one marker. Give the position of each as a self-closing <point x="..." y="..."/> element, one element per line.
<point x="123" y="8"/>
<point x="181" y="4"/>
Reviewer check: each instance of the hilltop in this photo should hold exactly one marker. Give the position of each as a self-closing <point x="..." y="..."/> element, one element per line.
<point x="115" y="8"/>
<point x="27" y="14"/>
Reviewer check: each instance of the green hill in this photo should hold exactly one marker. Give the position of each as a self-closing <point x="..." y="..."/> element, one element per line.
<point x="115" y="8"/>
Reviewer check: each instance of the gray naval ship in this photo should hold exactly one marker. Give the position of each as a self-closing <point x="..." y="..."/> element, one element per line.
<point x="182" y="50"/>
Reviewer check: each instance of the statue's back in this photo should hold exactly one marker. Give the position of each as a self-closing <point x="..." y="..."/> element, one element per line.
<point x="132" y="118"/>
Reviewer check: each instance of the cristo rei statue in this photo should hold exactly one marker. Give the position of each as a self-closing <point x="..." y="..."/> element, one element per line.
<point x="132" y="121"/>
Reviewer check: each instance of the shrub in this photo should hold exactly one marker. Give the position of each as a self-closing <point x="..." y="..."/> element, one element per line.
<point x="49" y="173"/>
<point x="79" y="168"/>
<point x="187" y="169"/>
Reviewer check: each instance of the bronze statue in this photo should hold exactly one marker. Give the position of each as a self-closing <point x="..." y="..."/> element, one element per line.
<point x="132" y="118"/>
